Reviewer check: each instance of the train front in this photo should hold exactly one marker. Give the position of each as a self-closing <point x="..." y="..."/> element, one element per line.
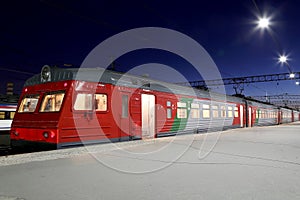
<point x="36" y="122"/>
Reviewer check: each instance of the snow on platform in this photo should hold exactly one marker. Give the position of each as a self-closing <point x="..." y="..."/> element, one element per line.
<point x="250" y="163"/>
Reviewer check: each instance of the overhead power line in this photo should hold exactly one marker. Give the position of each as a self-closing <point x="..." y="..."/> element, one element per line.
<point x="243" y="80"/>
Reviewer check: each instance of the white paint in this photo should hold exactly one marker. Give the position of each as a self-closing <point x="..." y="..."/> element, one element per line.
<point x="148" y="116"/>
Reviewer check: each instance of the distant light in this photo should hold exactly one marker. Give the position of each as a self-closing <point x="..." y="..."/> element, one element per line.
<point x="26" y="89"/>
<point x="297" y="83"/>
<point x="263" y="23"/>
<point x="68" y="65"/>
<point x="292" y="75"/>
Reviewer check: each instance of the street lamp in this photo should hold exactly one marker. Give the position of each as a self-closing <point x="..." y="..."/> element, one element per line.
<point x="263" y="23"/>
<point x="283" y="59"/>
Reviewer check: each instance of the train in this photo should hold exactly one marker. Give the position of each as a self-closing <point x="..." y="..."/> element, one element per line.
<point x="7" y="113"/>
<point x="63" y="107"/>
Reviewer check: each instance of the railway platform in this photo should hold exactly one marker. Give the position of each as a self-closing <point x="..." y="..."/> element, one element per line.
<point x="249" y="163"/>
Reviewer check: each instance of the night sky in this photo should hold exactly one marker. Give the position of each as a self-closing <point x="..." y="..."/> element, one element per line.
<point x="58" y="32"/>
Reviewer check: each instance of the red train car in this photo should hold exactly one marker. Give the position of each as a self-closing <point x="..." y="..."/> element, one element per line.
<point x="65" y="107"/>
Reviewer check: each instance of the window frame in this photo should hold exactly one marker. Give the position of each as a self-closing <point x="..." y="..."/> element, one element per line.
<point x="236" y="111"/>
<point x="22" y="105"/>
<point x="215" y="109"/>
<point x="195" y="107"/>
<point x="107" y="105"/>
<point x="223" y="111"/>
<point x="125" y="114"/>
<point x="181" y="107"/>
<point x="52" y="93"/>
<point x="230" y="111"/>
<point x="83" y="110"/>
<point x="205" y="107"/>
<point x="169" y="109"/>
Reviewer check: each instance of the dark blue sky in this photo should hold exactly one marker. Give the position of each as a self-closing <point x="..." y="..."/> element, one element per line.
<point x="35" y="33"/>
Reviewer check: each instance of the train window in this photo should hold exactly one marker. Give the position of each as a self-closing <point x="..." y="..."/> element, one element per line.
<point x="195" y="110"/>
<point x="52" y="102"/>
<point x="100" y="102"/>
<point x="223" y="111"/>
<point x="83" y="102"/>
<point x="181" y="110"/>
<point x="29" y="103"/>
<point x="169" y="103"/>
<point x="169" y="113"/>
<point x="230" y="114"/>
<point x="215" y="111"/>
<point x="206" y="111"/>
<point x="236" y="112"/>
<point x="195" y="113"/>
<point x="12" y="115"/>
<point x="181" y="113"/>
<point x="2" y="115"/>
<point x="181" y="104"/>
<point x="169" y="110"/>
<point x="259" y="114"/>
<point x="125" y="106"/>
<point x="195" y="105"/>
<point x="263" y="114"/>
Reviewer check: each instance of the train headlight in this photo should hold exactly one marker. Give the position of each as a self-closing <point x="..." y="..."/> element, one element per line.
<point x="46" y="134"/>
<point x="46" y="74"/>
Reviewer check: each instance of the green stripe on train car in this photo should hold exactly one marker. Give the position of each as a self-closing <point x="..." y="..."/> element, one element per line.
<point x="257" y="116"/>
<point x="180" y="123"/>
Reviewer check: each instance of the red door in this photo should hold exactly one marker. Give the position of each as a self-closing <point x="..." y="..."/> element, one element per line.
<point x="124" y="117"/>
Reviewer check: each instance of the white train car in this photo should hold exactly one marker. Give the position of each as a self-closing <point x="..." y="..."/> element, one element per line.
<point x="7" y="113"/>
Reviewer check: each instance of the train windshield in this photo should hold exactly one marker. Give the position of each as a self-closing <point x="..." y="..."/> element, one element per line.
<point x="29" y="103"/>
<point x="52" y="102"/>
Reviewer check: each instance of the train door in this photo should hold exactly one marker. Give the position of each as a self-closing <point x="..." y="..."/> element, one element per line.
<point x="279" y="117"/>
<point x="124" y="119"/>
<point x="148" y="116"/>
<point x="241" y="116"/>
<point x="249" y="116"/>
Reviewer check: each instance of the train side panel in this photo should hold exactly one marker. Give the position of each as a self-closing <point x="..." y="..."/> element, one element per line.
<point x="286" y="115"/>
<point x="66" y="111"/>
<point x="7" y="112"/>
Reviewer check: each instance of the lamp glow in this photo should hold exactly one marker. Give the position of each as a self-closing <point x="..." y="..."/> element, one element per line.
<point x="263" y="23"/>
<point x="292" y="75"/>
<point x="283" y="59"/>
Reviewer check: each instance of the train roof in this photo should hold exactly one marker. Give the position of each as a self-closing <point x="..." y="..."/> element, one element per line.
<point x="102" y="75"/>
